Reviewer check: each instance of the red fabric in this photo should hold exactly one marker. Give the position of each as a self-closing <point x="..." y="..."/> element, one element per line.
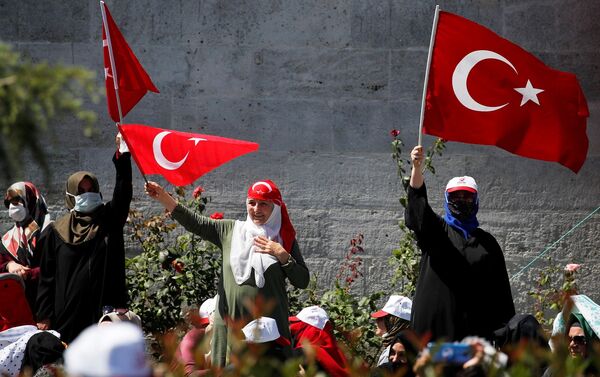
<point x="268" y="190"/>
<point x="554" y="130"/>
<point x="329" y="356"/>
<point x="14" y="309"/>
<point x="180" y="157"/>
<point x="133" y="82"/>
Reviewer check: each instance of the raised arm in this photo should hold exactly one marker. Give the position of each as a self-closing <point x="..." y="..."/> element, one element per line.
<point x="418" y="216"/>
<point x="123" y="191"/>
<point x="416" y="175"/>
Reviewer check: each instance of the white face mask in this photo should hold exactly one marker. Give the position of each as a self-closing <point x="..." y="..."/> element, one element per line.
<point x="17" y="212"/>
<point x="87" y="202"/>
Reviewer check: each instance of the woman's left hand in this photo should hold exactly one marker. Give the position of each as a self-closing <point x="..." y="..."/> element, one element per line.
<point x="267" y="246"/>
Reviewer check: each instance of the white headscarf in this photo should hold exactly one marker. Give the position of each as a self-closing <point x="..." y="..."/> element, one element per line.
<point x="243" y="258"/>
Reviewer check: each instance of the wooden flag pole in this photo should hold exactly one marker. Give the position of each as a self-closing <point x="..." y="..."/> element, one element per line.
<point x="426" y="81"/>
<point x="114" y="70"/>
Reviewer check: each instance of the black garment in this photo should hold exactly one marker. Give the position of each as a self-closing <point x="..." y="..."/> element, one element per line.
<point x="77" y="280"/>
<point x="463" y="286"/>
<point x="521" y="328"/>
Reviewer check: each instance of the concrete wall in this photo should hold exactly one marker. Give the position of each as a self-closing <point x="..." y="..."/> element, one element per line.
<point x="319" y="84"/>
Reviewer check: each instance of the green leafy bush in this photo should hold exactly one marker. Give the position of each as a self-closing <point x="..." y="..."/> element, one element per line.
<point x="551" y="291"/>
<point x="174" y="271"/>
<point x="349" y="312"/>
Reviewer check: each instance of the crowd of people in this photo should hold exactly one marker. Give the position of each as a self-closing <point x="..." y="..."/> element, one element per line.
<point x="64" y="298"/>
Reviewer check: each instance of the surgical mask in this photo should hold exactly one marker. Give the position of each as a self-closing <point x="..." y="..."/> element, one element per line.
<point x="87" y="202"/>
<point x="17" y="212"/>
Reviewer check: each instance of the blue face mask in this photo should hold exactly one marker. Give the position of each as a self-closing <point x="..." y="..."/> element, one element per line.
<point x="87" y="202"/>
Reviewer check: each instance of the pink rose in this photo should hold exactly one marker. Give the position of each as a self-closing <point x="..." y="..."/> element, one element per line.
<point x="395" y="133"/>
<point x="197" y="192"/>
<point x="217" y="216"/>
<point x="572" y="267"/>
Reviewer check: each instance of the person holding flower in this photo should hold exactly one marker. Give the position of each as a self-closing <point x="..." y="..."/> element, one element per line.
<point x="259" y="254"/>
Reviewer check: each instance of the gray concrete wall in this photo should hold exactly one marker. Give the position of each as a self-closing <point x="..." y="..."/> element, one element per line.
<point x="319" y="84"/>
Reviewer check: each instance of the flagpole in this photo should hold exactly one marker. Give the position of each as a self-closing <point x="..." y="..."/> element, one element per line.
<point x="112" y="61"/>
<point x="113" y="67"/>
<point x="426" y="81"/>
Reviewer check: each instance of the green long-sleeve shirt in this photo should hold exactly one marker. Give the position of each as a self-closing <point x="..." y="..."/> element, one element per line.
<point x="236" y="297"/>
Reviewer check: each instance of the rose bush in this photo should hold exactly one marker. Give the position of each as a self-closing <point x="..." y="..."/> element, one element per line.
<point x="174" y="269"/>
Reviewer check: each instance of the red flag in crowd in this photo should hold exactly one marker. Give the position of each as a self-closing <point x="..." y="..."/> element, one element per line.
<point x="484" y="89"/>
<point x="133" y="81"/>
<point x="180" y="157"/>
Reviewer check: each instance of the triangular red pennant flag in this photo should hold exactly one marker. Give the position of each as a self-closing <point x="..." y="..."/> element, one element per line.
<point x="484" y="89"/>
<point x="180" y="157"/>
<point x="133" y="81"/>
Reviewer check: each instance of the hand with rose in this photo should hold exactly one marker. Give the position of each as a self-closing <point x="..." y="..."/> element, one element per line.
<point x="267" y="246"/>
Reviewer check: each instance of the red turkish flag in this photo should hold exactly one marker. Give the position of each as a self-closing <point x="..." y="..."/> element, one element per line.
<point x="180" y="157"/>
<point x="133" y="81"/>
<point x="484" y="89"/>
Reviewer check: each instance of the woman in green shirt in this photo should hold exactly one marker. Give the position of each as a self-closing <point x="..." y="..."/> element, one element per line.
<point x="258" y="255"/>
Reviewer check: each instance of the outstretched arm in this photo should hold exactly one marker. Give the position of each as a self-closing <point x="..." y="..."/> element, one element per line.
<point x="207" y="228"/>
<point x="158" y="193"/>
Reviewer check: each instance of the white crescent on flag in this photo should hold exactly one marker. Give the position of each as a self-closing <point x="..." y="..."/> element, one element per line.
<point x="461" y="74"/>
<point x="159" y="155"/>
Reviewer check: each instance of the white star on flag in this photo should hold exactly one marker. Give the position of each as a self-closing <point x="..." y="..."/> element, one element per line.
<point x="529" y="93"/>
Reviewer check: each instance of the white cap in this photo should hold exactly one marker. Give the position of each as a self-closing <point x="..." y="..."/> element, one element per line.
<point x="105" y="351"/>
<point x="314" y="316"/>
<point x="206" y="309"/>
<point x="461" y="183"/>
<point x="397" y="305"/>
<point x="262" y="330"/>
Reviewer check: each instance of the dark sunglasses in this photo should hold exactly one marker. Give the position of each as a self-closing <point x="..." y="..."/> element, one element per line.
<point x="578" y="339"/>
<point x="109" y="309"/>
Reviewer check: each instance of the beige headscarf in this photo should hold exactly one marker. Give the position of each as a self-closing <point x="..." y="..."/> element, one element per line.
<point x="75" y="228"/>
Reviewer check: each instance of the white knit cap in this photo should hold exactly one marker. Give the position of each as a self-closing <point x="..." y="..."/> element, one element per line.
<point x="105" y="351"/>
<point x="314" y="316"/>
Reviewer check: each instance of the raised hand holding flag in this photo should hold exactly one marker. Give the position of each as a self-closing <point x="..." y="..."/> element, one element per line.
<point x="180" y="157"/>
<point x="484" y="89"/>
<point x="126" y="80"/>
